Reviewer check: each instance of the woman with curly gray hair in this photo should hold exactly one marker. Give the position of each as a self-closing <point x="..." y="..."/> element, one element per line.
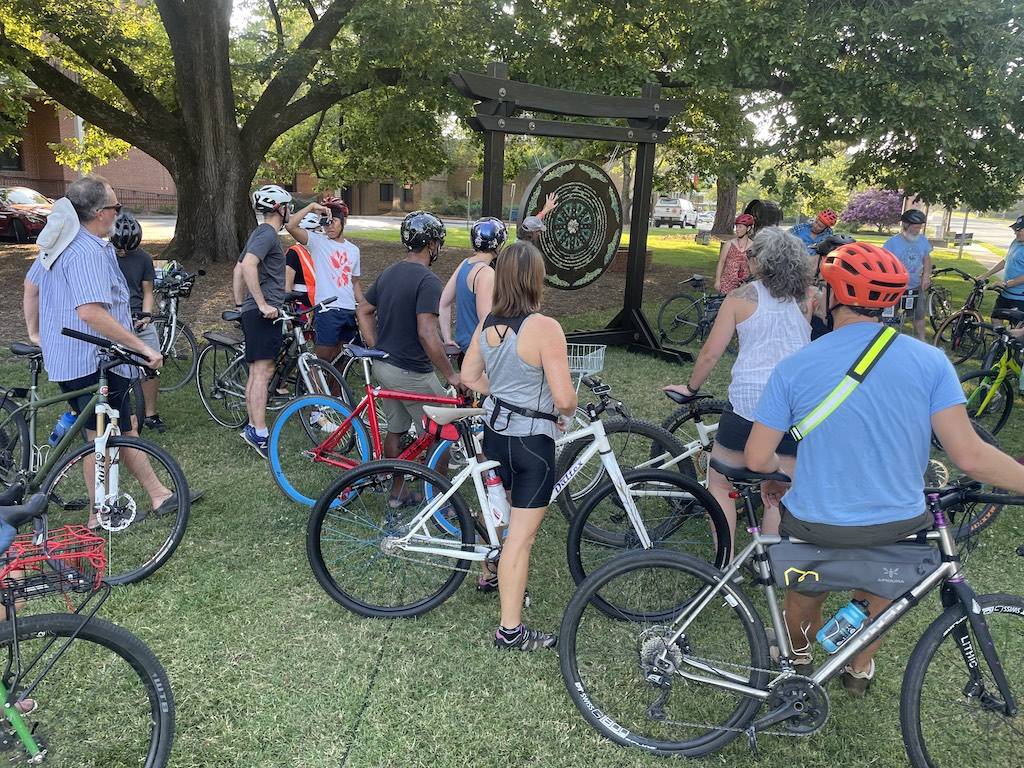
<point x="770" y="315"/>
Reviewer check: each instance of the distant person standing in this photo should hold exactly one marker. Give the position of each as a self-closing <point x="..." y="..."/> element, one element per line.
<point x="914" y="251"/>
<point x="137" y="267"/>
<point x="531" y="227"/>
<point x="1012" y="296"/>
<point x="732" y="268"/>
<point x="817" y="231"/>
<point x="470" y="289"/>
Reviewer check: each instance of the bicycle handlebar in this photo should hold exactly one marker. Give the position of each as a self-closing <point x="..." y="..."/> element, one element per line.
<point x="117" y="350"/>
<point x="283" y="315"/>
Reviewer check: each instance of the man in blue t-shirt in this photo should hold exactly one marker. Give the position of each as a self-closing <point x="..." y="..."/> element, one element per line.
<point x="914" y="251"/>
<point x="1012" y="296"/>
<point x="859" y="478"/>
<point x="817" y="231"/>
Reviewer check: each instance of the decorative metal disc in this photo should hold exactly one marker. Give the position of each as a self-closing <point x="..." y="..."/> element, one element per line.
<point x="584" y="229"/>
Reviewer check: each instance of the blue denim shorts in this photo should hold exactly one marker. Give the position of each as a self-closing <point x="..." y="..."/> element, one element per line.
<point x="335" y="326"/>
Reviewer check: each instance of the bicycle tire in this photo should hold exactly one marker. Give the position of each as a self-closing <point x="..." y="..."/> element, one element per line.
<point x="925" y="718"/>
<point x="65" y="698"/>
<point x="327" y="381"/>
<point x="977" y="387"/>
<point x="154" y="537"/>
<point x="221" y="375"/>
<point x="456" y="455"/>
<point x="288" y="446"/>
<point x="660" y="443"/>
<point x="352" y="373"/>
<point x="606" y="687"/>
<point x="679" y="317"/>
<point x="967" y="519"/>
<point x="138" y="408"/>
<point x="679" y="420"/>
<point x="939" y="306"/>
<point x="181" y="360"/>
<point x="602" y="530"/>
<point x="15" y="440"/>
<point x="366" y="479"/>
<point x="961" y="335"/>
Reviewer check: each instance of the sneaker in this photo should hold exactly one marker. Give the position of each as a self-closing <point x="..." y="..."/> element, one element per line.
<point x="155" y="422"/>
<point x="857" y="683"/>
<point x="803" y="664"/>
<point x="524" y="639"/>
<point x="259" y="444"/>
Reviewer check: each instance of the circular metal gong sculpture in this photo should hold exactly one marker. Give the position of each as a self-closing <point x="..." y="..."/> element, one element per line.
<point x="584" y="229"/>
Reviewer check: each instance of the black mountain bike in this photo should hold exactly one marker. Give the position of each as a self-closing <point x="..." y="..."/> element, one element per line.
<point x="688" y="315"/>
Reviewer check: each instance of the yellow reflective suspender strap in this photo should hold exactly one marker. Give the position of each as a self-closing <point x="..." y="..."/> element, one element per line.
<point x="857" y="373"/>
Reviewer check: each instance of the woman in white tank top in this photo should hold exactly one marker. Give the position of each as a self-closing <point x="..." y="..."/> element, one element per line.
<point x="771" y="316"/>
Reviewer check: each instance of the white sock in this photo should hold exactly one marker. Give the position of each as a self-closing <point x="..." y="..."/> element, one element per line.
<point x="263" y="432"/>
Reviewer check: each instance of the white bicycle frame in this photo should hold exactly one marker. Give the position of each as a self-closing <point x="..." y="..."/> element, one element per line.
<point x="418" y="538"/>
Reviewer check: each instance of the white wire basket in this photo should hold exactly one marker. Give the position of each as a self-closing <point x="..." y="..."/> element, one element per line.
<point x="586" y="359"/>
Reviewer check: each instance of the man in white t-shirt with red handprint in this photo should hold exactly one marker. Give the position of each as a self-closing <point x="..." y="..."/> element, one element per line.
<point x="336" y="267"/>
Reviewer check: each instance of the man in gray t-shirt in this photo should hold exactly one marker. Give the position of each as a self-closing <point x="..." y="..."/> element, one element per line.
<point x="259" y="292"/>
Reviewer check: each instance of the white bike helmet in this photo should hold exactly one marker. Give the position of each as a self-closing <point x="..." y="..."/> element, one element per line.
<point x="270" y="198"/>
<point x="311" y="221"/>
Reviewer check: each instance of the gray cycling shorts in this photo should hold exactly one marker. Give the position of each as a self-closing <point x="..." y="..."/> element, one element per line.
<point x="826" y="535"/>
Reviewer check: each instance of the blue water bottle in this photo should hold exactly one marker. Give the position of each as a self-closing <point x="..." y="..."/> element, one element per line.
<point x="61" y="427"/>
<point x="843" y="625"/>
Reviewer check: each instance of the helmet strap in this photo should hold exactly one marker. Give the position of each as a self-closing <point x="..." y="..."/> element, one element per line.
<point x="830" y="320"/>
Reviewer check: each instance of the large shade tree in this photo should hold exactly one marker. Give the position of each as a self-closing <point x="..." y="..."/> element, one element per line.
<point x="172" y="78"/>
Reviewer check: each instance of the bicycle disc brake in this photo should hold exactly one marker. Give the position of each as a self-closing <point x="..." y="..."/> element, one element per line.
<point x="117" y="515"/>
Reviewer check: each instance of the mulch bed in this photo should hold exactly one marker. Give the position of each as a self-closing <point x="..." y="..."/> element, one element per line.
<point x="212" y="294"/>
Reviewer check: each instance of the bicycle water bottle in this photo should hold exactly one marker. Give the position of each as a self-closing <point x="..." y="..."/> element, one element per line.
<point x="843" y="625"/>
<point x="61" y="427"/>
<point x="496" y="499"/>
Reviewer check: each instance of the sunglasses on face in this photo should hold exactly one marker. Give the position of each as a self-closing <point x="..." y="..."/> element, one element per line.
<point x="114" y="208"/>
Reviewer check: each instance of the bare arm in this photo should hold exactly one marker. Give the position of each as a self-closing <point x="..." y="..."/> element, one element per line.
<point x="292" y="225"/>
<point x="357" y="289"/>
<point x="472" y="371"/>
<point x="251" y="277"/>
<point x="103" y="323"/>
<point x="759" y="454"/>
<point x="238" y="284"/>
<point x="444" y="312"/>
<point x="721" y="264"/>
<point x="1001" y="265"/>
<point x="483" y="289"/>
<point x="973" y="455"/>
<point x="30" y="306"/>
<point x="554" y="359"/>
<point x="720" y="336"/>
<point x="289" y="279"/>
<point x="366" y="319"/>
<point x="430" y="340"/>
<point x="926" y="272"/>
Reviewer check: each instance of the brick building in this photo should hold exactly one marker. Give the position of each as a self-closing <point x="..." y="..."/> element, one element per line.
<point x="142" y="184"/>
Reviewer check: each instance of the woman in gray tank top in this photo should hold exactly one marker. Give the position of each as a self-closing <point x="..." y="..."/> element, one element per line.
<point x="518" y="358"/>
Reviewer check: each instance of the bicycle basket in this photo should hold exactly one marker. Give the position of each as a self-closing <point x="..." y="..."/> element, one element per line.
<point x="72" y="559"/>
<point x="586" y="359"/>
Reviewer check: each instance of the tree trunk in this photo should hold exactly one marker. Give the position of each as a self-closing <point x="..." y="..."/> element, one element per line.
<point x="627" y="186"/>
<point x="726" y="192"/>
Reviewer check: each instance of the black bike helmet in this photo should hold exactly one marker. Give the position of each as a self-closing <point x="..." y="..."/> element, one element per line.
<point x="127" y="234"/>
<point x="420" y="229"/>
<point x="913" y="216"/>
<point x="832" y="242"/>
<point x="765" y="213"/>
<point x="488" y="234"/>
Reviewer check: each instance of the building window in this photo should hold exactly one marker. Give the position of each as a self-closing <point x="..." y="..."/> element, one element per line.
<point x="11" y="159"/>
<point x="387" y="193"/>
<point x="407" y="194"/>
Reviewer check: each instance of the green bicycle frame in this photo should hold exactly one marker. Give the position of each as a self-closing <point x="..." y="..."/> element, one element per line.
<point x="21" y="728"/>
<point x="1007" y="365"/>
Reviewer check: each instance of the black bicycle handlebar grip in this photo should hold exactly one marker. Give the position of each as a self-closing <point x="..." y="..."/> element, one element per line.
<point x="99" y="341"/>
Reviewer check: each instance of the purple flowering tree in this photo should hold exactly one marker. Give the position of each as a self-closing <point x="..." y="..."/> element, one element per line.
<point x="881" y="207"/>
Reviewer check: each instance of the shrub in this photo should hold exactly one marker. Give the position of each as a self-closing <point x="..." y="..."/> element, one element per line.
<point x="880" y="207"/>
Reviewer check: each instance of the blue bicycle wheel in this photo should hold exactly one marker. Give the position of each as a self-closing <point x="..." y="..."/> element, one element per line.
<point x="303" y="425"/>
<point x="440" y="517"/>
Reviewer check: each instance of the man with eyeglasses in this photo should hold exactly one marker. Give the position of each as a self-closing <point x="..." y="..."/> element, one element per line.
<point x="76" y="283"/>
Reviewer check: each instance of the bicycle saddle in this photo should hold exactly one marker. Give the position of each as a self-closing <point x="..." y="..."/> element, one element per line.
<point x="373" y="354"/>
<point x="231" y="315"/>
<point x="444" y="415"/>
<point x="746" y="476"/>
<point x="297" y="296"/>
<point x="21" y="349"/>
<point x="21" y="514"/>
<point x="698" y="278"/>
<point x="1012" y="315"/>
<point x="679" y="397"/>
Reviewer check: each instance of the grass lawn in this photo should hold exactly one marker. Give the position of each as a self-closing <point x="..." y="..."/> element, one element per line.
<point x="268" y="671"/>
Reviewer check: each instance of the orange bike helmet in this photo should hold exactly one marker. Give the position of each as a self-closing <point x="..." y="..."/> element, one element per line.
<point x="828" y="217"/>
<point x="864" y="275"/>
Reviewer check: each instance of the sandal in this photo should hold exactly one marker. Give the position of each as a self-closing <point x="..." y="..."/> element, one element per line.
<point x="410" y="499"/>
<point x="26" y="706"/>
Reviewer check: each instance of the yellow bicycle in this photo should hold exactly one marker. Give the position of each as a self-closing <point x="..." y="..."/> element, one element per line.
<point x="991" y="391"/>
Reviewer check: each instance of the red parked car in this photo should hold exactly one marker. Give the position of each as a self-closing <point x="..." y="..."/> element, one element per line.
<point x="23" y="213"/>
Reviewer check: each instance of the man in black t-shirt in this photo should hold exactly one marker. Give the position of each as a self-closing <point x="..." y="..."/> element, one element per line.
<point x="399" y="316"/>
<point x="259" y="291"/>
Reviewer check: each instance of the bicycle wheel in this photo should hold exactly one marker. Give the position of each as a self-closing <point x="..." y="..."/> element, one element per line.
<point x="966" y="519"/>
<point x="679" y="318"/>
<point x="678" y="514"/>
<point x="962" y="336"/>
<point x="950" y="712"/>
<point x="608" y="664"/>
<point x="181" y="354"/>
<point x="221" y="377"/>
<point x="308" y="449"/>
<point x="682" y="423"/>
<point x="987" y="404"/>
<point x="105" y="675"/>
<point x="355" y="380"/>
<point x="325" y="380"/>
<point x="15" y="441"/>
<point x="636" y="444"/>
<point x="352" y="549"/>
<point x="940" y="306"/>
<point x="450" y="456"/>
<point x="138" y="545"/>
<point x="138" y="409"/>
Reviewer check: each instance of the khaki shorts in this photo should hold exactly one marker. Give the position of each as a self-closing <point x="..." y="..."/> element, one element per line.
<point x="148" y="336"/>
<point x="400" y="413"/>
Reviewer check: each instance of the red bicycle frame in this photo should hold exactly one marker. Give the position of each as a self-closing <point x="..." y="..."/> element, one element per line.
<point x="325" y="451"/>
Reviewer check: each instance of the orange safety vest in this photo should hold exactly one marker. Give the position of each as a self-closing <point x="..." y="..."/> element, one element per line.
<point x="308" y="271"/>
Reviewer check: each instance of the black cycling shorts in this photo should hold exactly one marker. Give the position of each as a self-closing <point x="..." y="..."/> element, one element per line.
<point x="733" y="431"/>
<point x="527" y="466"/>
<point x="1006" y="302"/>
<point x="119" y="397"/>
<point x="263" y="339"/>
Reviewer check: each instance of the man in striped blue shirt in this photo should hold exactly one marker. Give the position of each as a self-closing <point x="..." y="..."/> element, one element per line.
<point x="84" y="289"/>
